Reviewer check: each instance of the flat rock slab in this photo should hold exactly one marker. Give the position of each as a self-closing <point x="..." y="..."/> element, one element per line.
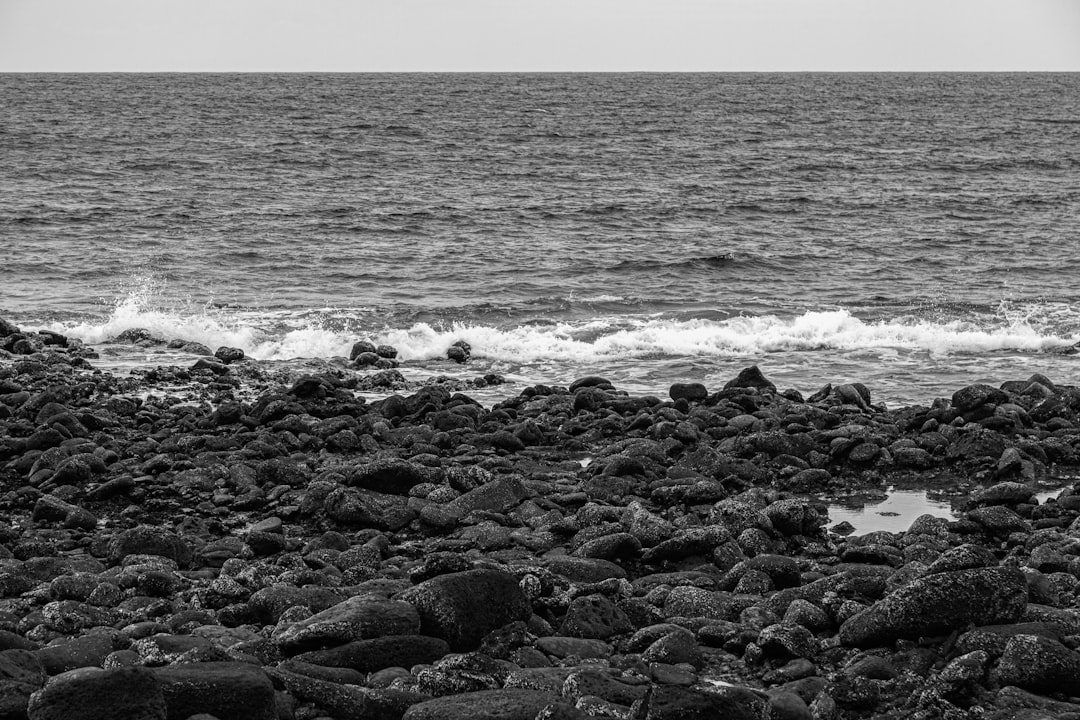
<point x="357" y="618"/>
<point x="504" y="704"/>
<point x="378" y="653"/>
<point x="938" y="604"/>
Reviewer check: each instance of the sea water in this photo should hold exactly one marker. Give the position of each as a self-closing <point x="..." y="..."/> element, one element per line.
<point x="914" y="232"/>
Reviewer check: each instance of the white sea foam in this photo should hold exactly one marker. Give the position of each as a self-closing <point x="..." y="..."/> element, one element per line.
<point x="283" y="335"/>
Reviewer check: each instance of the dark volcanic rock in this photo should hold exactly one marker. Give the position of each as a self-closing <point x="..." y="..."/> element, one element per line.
<point x="357" y="618"/>
<point x="675" y="703"/>
<point x="234" y="690"/>
<point x="1040" y="664"/>
<point x="130" y="693"/>
<point x="750" y="377"/>
<point x="149" y="540"/>
<point x="693" y="392"/>
<point x="462" y="608"/>
<point x="938" y="604"/>
<point x="393" y="476"/>
<point x="505" y="704"/>
<point x="381" y="652"/>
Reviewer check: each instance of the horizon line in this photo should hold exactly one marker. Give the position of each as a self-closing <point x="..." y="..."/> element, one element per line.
<point x="543" y="72"/>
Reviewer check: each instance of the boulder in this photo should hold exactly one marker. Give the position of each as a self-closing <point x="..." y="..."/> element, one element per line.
<point x="938" y="604"/>
<point x="375" y="654"/>
<point x="150" y="540"/>
<point x="692" y="392"/>
<point x="130" y="693"/>
<point x="392" y="475"/>
<point x="504" y="704"/>
<point x="358" y="618"/>
<point x="461" y="608"/>
<point x="676" y="703"/>
<point x="233" y="690"/>
<point x="1040" y="664"/>
<point x="750" y="377"/>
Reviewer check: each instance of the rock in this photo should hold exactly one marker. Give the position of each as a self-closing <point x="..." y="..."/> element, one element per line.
<point x="938" y="604"/>
<point x="378" y="653"/>
<point x="1041" y="665"/>
<point x="358" y="618"/>
<point x="229" y="355"/>
<point x="560" y="647"/>
<point x="21" y="674"/>
<point x="8" y="328"/>
<point x="130" y="693"/>
<point x="751" y="377"/>
<point x="392" y="476"/>
<point x="459" y="352"/>
<point x="692" y="392"/>
<point x="70" y="653"/>
<point x="504" y="704"/>
<point x="149" y="540"/>
<point x="594" y="616"/>
<point x="361" y="346"/>
<point x="360" y="508"/>
<point x="974" y="396"/>
<point x="463" y="607"/>
<point x="1003" y="493"/>
<point x="496" y="496"/>
<point x="674" y="703"/>
<point x="233" y="690"/>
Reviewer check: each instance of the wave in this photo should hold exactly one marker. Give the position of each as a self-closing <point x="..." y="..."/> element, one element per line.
<point x="720" y="260"/>
<point x="330" y="332"/>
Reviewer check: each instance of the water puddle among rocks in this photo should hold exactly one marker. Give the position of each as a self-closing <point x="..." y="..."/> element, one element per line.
<point x="894" y="513"/>
<point x="896" y="509"/>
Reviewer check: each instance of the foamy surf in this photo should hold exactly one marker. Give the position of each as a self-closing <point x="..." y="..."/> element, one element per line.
<point x="285" y="335"/>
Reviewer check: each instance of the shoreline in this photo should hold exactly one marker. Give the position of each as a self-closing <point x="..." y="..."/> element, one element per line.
<point x="291" y="544"/>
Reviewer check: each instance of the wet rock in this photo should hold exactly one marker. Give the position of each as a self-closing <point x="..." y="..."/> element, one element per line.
<point x="149" y="540"/>
<point x="8" y="328"/>
<point x="359" y="617"/>
<point x="594" y="616"/>
<point x="751" y="377"/>
<point x="692" y="392"/>
<point x="377" y="653"/>
<point x="347" y="702"/>
<point x="234" y="690"/>
<point x="974" y="396"/>
<point x="229" y="355"/>
<point x="359" y="508"/>
<point x="91" y="694"/>
<point x="361" y="346"/>
<point x="504" y="704"/>
<point x="497" y="496"/>
<point x="21" y="674"/>
<point x="70" y="653"/>
<point x="938" y="604"/>
<point x="674" y="703"/>
<point x="462" y="608"/>
<point x="392" y="476"/>
<point x="1040" y="664"/>
<point x="459" y="352"/>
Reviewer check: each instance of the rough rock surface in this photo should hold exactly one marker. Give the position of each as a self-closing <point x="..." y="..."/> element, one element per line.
<point x="234" y="540"/>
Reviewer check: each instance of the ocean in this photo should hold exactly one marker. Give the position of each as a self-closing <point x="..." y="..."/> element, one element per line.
<point x="913" y="232"/>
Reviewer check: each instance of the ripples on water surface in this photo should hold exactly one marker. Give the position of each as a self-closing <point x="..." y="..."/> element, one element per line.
<point x="914" y="232"/>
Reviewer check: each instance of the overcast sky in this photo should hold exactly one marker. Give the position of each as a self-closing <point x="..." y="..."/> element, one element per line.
<point x="547" y="35"/>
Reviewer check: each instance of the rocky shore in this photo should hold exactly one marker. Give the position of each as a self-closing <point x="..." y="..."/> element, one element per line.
<point x="261" y="546"/>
